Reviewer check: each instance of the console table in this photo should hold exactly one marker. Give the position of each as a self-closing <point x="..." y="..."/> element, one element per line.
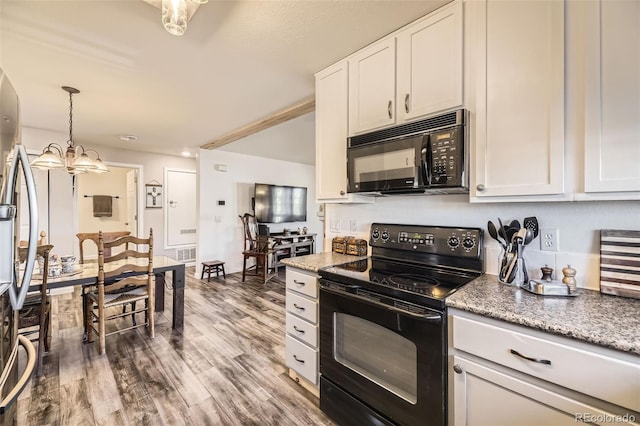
<point x="293" y="244"/>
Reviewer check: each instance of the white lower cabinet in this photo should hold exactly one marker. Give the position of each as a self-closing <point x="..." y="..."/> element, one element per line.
<point x="301" y="341"/>
<point x="505" y="374"/>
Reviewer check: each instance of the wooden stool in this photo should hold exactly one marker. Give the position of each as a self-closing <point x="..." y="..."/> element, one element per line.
<point x="216" y="266"/>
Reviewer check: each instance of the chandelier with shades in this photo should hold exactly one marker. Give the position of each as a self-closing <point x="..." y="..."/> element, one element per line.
<point x="176" y="14"/>
<point x="75" y="158"/>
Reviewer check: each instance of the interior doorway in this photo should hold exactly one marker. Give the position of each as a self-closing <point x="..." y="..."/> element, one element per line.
<point x="109" y="202"/>
<point x="180" y="212"/>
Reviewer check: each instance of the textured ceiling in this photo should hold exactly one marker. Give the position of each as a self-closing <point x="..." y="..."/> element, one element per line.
<point x="239" y="61"/>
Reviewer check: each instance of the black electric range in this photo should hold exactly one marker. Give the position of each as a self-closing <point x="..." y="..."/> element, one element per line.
<point x="383" y="325"/>
<point x="418" y="264"/>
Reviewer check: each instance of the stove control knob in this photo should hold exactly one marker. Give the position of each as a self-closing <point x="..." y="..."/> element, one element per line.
<point x="385" y="235"/>
<point x="453" y="241"/>
<point x="375" y="234"/>
<point x="468" y="243"/>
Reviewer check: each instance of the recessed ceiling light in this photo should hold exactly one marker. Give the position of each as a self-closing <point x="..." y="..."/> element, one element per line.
<point x="128" y="138"/>
<point x="186" y="153"/>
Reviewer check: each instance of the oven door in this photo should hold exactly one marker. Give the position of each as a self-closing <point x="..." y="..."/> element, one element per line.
<point x="381" y="353"/>
<point x="397" y="164"/>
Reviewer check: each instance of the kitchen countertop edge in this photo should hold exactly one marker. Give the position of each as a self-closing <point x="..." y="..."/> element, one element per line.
<point x="314" y="262"/>
<point x="590" y="317"/>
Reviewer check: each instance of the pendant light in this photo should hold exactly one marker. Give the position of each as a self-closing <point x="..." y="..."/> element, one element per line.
<point x="176" y="14"/>
<point x="75" y="157"/>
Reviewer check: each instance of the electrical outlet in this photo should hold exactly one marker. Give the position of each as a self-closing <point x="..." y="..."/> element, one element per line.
<point x="549" y="239"/>
<point x="353" y="225"/>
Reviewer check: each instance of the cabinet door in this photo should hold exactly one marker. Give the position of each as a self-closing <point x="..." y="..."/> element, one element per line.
<point x="612" y="96"/>
<point x="519" y="126"/>
<point x="430" y="65"/>
<point x="331" y="136"/>
<point x="486" y="396"/>
<point x="331" y="132"/>
<point x="372" y="87"/>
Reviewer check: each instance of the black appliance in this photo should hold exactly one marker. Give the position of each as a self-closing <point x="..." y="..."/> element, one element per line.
<point x="383" y="324"/>
<point x="426" y="156"/>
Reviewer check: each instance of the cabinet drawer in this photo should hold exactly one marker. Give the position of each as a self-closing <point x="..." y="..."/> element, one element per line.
<point x="302" y="359"/>
<point x="301" y="329"/>
<point x="599" y="373"/>
<point x="302" y="283"/>
<point x="302" y="307"/>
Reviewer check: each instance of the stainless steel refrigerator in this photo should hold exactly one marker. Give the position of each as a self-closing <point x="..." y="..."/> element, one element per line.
<point x="14" y="284"/>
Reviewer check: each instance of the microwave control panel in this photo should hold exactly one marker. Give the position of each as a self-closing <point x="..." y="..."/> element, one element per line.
<point x="447" y="157"/>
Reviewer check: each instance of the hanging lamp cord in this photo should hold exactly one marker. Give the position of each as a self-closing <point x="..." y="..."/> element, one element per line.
<point x="70" y="141"/>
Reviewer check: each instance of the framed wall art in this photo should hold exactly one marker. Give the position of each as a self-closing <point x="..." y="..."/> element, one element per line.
<point x="153" y="191"/>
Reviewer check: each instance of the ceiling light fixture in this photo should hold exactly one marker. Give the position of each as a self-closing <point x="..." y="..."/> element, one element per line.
<point x="75" y="157"/>
<point x="175" y="14"/>
<point x="128" y="138"/>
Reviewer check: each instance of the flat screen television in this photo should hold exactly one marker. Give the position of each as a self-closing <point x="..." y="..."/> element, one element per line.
<point x="278" y="203"/>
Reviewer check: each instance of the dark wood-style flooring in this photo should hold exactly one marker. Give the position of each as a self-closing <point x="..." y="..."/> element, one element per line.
<point x="226" y="368"/>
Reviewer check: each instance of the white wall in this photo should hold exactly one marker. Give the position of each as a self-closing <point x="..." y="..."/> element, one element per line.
<point x="220" y="233"/>
<point x="64" y="224"/>
<point x="578" y="222"/>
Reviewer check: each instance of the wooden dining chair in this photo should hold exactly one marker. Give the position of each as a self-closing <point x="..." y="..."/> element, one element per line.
<point x="259" y="246"/>
<point x="123" y="278"/>
<point x="108" y="237"/>
<point x="34" y="319"/>
<point x="93" y="236"/>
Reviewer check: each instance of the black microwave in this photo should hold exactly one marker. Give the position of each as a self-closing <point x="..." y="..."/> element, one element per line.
<point x="426" y="156"/>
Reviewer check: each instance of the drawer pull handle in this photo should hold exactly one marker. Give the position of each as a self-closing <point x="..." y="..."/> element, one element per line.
<point x="528" y="358"/>
<point x="298" y="330"/>
<point x="301" y="361"/>
<point x="299" y="282"/>
<point x="298" y="307"/>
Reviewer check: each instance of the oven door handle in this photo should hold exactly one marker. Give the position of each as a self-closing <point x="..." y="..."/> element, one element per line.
<point x="436" y="317"/>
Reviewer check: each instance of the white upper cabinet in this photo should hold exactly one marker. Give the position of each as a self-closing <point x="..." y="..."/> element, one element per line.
<point x="518" y="131"/>
<point x="372" y="87"/>
<point x="429" y="65"/>
<point x="331" y="136"/>
<point x="423" y="61"/>
<point x="612" y="96"/>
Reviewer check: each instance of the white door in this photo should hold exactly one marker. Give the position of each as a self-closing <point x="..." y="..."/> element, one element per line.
<point x="131" y="222"/>
<point x="180" y="207"/>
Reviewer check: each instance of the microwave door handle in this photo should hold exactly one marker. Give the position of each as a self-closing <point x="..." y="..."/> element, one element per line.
<point x="427" y="160"/>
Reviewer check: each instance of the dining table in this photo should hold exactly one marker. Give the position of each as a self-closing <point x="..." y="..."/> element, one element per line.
<point x="87" y="274"/>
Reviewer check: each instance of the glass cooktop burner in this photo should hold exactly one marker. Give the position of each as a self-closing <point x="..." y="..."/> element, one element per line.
<point x="412" y="281"/>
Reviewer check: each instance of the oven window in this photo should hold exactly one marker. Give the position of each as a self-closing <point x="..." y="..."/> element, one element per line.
<point x="377" y="353"/>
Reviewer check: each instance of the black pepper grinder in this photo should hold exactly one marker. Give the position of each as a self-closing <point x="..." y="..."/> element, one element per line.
<point x="546" y="273"/>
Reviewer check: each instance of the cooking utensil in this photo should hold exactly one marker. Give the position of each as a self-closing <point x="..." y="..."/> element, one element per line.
<point x="532" y="224"/>
<point x="502" y="232"/>
<point x="494" y="234"/>
<point x="515" y="224"/>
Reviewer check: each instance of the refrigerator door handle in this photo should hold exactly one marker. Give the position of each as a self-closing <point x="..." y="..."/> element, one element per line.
<point x="26" y="375"/>
<point x="16" y="295"/>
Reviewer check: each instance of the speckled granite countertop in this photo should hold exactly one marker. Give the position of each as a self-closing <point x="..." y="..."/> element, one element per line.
<point x="313" y="262"/>
<point x="591" y="317"/>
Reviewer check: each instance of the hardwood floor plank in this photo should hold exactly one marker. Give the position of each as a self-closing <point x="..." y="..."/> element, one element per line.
<point x="225" y="368"/>
<point x="75" y="408"/>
